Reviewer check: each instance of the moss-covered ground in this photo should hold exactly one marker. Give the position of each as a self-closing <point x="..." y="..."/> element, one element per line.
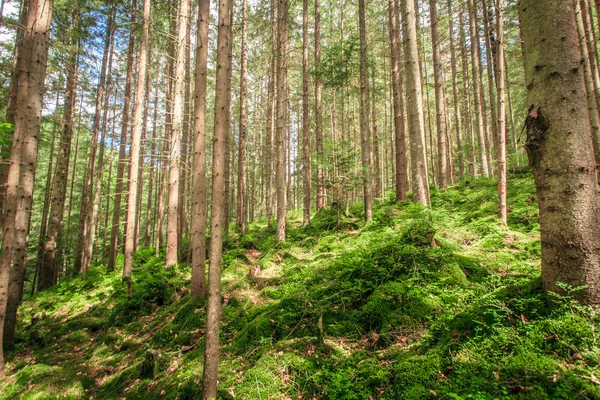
<point x="421" y="303"/>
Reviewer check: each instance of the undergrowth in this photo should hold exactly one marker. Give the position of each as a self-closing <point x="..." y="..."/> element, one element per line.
<point x="441" y="302"/>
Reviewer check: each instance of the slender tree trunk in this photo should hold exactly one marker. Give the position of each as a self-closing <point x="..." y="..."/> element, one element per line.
<point x="559" y="146"/>
<point x="306" y="170"/>
<point x="320" y="200"/>
<point x="241" y="219"/>
<point x="136" y="141"/>
<point x="501" y="133"/>
<point x="594" y="115"/>
<point x="199" y="194"/>
<point x="490" y="55"/>
<point x="114" y="235"/>
<point x="213" y="313"/>
<point x="398" y="100"/>
<point x="365" y="134"/>
<point x="466" y="98"/>
<point x="420" y="179"/>
<point x="149" y="208"/>
<point x="21" y="170"/>
<point x="59" y="185"/>
<point x="475" y="57"/>
<point x="455" y="97"/>
<point x="440" y="109"/>
<point x="270" y="139"/>
<point x="229" y="151"/>
<point x="47" y="195"/>
<point x="376" y="156"/>
<point x="174" y="183"/>
<point x="282" y="40"/>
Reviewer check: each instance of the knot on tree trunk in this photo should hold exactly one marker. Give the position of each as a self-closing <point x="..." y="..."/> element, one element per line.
<point x="536" y="126"/>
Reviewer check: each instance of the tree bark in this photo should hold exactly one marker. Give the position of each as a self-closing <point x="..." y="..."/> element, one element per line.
<point x="479" y="110"/>
<point x="59" y="185"/>
<point x="501" y="126"/>
<point x="306" y="170"/>
<point x="136" y="142"/>
<point x="455" y="97"/>
<point x="398" y="100"/>
<point x="174" y="183"/>
<point x="114" y="234"/>
<point x="440" y="108"/>
<point x="282" y="40"/>
<point x="420" y="179"/>
<point x="199" y="195"/>
<point x="213" y="313"/>
<point x="365" y="132"/>
<point x="241" y="219"/>
<point x="21" y="170"/>
<point x="559" y="146"/>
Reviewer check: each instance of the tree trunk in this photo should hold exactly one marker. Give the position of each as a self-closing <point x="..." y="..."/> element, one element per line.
<point x="174" y="183"/>
<point x="270" y="139"/>
<point x="501" y="126"/>
<point x="365" y="134"/>
<point x="559" y="146"/>
<point x="114" y="235"/>
<point x="228" y="145"/>
<point x="465" y="97"/>
<point x="475" y="57"/>
<point x="199" y="195"/>
<point x="398" y="100"/>
<point x="241" y="219"/>
<point x="455" y="97"/>
<point x="213" y="311"/>
<point x="136" y="142"/>
<point x="594" y="114"/>
<point x="420" y="179"/>
<point x="320" y="200"/>
<point x="440" y="109"/>
<point x="306" y="170"/>
<point x="21" y="170"/>
<point x="59" y="185"/>
<point x="282" y="39"/>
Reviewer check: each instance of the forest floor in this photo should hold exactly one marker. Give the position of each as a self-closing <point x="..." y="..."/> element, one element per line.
<point x="421" y="303"/>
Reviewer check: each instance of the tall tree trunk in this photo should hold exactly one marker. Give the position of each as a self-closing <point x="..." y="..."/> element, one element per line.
<point x="21" y="171"/>
<point x="365" y="134"/>
<point x="398" y="100"/>
<point x="199" y="194"/>
<point x="270" y="139"/>
<point x="59" y="185"/>
<point x="136" y="141"/>
<point x="594" y="114"/>
<point x="440" y="109"/>
<point x="114" y="234"/>
<point x="213" y="313"/>
<point x="455" y="97"/>
<point x="241" y="219"/>
<point x="150" y="205"/>
<point x="501" y="133"/>
<point x="306" y="172"/>
<point x="282" y="41"/>
<point x="376" y="157"/>
<point x="490" y="56"/>
<point x="420" y="179"/>
<point x="479" y="109"/>
<point x="559" y="147"/>
<point x="320" y="200"/>
<point x="48" y="194"/>
<point x="466" y="99"/>
<point x="229" y="152"/>
<point x="174" y="183"/>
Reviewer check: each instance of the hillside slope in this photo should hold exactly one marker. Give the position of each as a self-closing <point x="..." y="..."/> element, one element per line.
<point x="422" y="303"/>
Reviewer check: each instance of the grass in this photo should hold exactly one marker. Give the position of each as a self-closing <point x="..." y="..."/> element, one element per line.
<point x="441" y="302"/>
